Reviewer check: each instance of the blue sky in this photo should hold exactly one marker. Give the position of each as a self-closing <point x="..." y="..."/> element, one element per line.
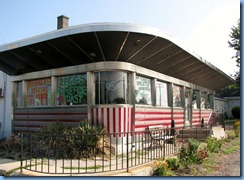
<point x="201" y="25"/>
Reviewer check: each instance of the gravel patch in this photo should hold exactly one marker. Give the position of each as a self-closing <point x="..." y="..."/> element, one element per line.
<point x="224" y="163"/>
<point x="228" y="165"/>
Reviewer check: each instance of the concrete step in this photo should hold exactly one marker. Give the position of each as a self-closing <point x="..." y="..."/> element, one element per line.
<point x="195" y="133"/>
<point x="192" y="135"/>
<point x="186" y="139"/>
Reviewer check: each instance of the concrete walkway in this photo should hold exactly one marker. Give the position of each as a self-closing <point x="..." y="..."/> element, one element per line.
<point x="13" y="166"/>
<point x="7" y="165"/>
<point x="112" y="167"/>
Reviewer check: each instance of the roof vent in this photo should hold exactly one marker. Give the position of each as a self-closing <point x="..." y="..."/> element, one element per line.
<point x="63" y="22"/>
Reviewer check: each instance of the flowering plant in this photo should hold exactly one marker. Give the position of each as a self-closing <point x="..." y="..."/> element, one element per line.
<point x="237" y="128"/>
<point x="161" y="168"/>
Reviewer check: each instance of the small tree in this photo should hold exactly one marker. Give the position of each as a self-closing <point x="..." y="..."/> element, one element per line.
<point x="235" y="43"/>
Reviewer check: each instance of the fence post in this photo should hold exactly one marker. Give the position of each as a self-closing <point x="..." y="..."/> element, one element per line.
<point x="21" y="157"/>
<point x="164" y="154"/>
<point x="202" y="122"/>
<point x="172" y="133"/>
<point x="127" y="151"/>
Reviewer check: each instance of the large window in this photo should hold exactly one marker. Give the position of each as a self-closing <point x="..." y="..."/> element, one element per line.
<point x="111" y="87"/>
<point x="72" y="90"/>
<point x="203" y="100"/>
<point x="39" y="93"/>
<point x="196" y="99"/>
<point x="143" y="90"/>
<point x="210" y="101"/>
<point x="18" y="99"/>
<point x="161" y="94"/>
<point x="177" y="91"/>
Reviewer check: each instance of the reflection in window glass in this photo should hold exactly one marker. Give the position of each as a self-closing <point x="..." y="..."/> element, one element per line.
<point x="111" y="87"/>
<point x="72" y="90"/>
<point x="210" y="101"/>
<point x="203" y="100"/>
<point x="18" y="99"/>
<point x="143" y="91"/>
<point x="177" y="96"/>
<point x="195" y="100"/>
<point x="161" y="94"/>
<point x="39" y="93"/>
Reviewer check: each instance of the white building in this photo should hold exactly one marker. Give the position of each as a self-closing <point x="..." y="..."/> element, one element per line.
<point x="5" y="105"/>
<point x="226" y="104"/>
<point x="232" y="102"/>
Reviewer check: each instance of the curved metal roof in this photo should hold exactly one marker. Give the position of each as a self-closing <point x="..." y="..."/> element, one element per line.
<point x="144" y="46"/>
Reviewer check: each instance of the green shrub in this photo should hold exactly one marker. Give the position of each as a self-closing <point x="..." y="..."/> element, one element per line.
<point x="201" y="153"/>
<point x="173" y="163"/>
<point x="184" y="156"/>
<point x="54" y="128"/>
<point x="213" y="144"/>
<point x="226" y="115"/>
<point x="64" y="141"/>
<point x="236" y="112"/>
<point x="193" y="145"/>
<point x="11" y="144"/>
<point x="87" y="139"/>
<point x="193" y="152"/>
<point x="230" y="135"/>
<point x="50" y="140"/>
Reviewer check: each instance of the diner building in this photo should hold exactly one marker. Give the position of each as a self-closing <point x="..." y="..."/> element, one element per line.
<point x="121" y="76"/>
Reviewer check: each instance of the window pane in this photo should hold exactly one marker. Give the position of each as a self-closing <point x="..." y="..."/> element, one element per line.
<point x="161" y="94"/>
<point x="143" y="90"/>
<point x="210" y="101"/>
<point x="39" y="93"/>
<point x="72" y="90"/>
<point x="111" y="87"/>
<point x="177" y="96"/>
<point x="195" y="99"/>
<point x="203" y="100"/>
<point x="18" y="99"/>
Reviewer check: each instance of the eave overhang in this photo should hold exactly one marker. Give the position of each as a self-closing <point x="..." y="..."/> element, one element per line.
<point x="144" y="46"/>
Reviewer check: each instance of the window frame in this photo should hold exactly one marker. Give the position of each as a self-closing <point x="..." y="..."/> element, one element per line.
<point x="167" y="94"/>
<point x="124" y="99"/>
<point x="74" y="95"/>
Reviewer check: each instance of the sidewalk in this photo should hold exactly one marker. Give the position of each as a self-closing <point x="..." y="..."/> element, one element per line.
<point x="7" y="165"/>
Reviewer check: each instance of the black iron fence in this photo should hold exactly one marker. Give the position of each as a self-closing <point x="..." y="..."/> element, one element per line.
<point x="94" y="153"/>
<point x="115" y="151"/>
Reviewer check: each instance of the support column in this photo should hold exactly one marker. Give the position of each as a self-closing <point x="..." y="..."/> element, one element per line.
<point x="90" y="94"/>
<point x="132" y="96"/>
<point x="170" y="98"/>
